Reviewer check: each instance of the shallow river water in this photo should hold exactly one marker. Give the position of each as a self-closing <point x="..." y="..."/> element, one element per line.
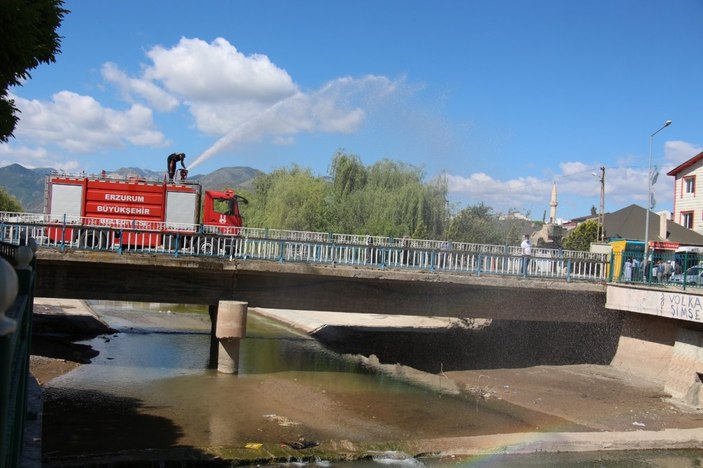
<point x="149" y="389"/>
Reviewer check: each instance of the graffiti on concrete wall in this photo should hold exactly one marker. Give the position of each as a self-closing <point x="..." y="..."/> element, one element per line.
<point x="681" y="306"/>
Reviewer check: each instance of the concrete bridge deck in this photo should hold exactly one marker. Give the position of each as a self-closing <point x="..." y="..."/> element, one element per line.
<point x="158" y="278"/>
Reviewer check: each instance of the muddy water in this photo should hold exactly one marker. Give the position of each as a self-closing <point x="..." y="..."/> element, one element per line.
<point x="149" y="388"/>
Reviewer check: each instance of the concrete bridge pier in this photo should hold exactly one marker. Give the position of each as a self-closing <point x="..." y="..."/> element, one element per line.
<point x="230" y="325"/>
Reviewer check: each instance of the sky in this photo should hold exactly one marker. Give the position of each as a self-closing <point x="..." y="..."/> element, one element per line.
<point x="503" y="97"/>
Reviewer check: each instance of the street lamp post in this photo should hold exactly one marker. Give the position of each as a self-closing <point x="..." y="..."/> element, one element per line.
<point x="649" y="190"/>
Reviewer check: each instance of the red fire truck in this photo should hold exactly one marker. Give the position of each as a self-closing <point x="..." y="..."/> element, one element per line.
<point x="112" y="211"/>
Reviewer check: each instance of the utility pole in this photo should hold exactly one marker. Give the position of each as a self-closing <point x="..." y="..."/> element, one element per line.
<point x="601" y="213"/>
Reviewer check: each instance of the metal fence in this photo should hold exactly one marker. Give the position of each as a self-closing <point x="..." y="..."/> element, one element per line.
<point x="303" y="246"/>
<point x="15" y="342"/>
<point x="661" y="269"/>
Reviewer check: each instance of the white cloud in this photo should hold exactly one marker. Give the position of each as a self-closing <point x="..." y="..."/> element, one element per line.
<point x="677" y="152"/>
<point x="81" y="124"/>
<point x="153" y="94"/>
<point x="34" y="157"/>
<point x="571" y="168"/>
<point x="229" y="95"/>
<point x="217" y="73"/>
<point x="502" y="195"/>
<point x="330" y="109"/>
<point x="228" y="92"/>
<point x="577" y="187"/>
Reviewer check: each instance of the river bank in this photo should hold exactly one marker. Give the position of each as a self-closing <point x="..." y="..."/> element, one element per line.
<point x="612" y="410"/>
<point x="597" y="396"/>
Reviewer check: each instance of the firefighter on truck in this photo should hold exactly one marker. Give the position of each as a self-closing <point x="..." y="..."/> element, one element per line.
<point x="171" y="162"/>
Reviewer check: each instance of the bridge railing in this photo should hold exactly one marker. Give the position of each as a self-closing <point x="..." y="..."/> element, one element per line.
<point x="312" y="247"/>
<point x="16" y="303"/>
<point x="660" y="268"/>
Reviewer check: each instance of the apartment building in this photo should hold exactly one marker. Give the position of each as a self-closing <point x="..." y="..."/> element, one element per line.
<point x="688" y="203"/>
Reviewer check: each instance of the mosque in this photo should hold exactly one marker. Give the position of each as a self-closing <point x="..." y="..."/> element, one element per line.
<point x="551" y="233"/>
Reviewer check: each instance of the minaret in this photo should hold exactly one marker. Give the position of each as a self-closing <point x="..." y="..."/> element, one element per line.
<point x="553" y="205"/>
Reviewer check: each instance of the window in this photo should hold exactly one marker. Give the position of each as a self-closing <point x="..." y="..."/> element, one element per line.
<point x="223" y="206"/>
<point x="687" y="219"/>
<point x="690" y="184"/>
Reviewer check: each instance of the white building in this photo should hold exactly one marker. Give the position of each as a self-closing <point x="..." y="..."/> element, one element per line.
<point x="688" y="204"/>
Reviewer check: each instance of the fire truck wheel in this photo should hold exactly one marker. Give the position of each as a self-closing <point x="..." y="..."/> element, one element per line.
<point x="207" y="245"/>
<point x="92" y="240"/>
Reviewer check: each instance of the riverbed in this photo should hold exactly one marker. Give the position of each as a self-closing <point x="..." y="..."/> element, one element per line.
<point x="149" y="391"/>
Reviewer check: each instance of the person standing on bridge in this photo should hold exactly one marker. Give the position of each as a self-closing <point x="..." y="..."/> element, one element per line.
<point x="627" y="274"/>
<point x="526" y="247"/>
<point x="171" y="162"/>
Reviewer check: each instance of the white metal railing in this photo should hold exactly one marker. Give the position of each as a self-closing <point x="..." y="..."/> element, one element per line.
<point x="299" y="246"/>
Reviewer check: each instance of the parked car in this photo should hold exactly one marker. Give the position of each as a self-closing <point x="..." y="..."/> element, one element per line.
<point x="693" y="275"/>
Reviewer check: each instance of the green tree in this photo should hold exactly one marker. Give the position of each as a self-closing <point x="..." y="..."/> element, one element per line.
<point x="388" y="198"/>
<point x="348" y="174"/>
<point x="8" y="202"/>
<point x="479" y="224"/>
<point x="421" y="231"/>
<point x="290" y="199"/>
<point x="475" y="224"/>
<point x="27" y="38"/>
<point x="581" y="237"/>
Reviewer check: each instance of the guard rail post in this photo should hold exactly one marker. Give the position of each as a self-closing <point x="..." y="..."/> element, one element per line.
<point x="683" y="270"/>
<point x="63" y="234"/>
<point x="281" y="250"/>
<point x="568" y="270"/>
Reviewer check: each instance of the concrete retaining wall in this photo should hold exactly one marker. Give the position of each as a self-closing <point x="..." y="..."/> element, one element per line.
<point x="683" y="379"/>
<point x="645" y="346"/>
<point x="663" y="350"/>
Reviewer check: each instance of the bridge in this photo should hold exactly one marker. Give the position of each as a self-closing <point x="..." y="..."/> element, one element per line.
<point x="297" y="285"/>
<point x="661" y="323"/>
<point x="313" y="271"/>
<point x="84" y="258"/>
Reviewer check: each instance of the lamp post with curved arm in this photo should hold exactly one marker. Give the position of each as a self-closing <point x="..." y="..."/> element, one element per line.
<point x="649" y="190"/>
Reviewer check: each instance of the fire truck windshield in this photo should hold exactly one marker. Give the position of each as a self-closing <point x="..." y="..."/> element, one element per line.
<point x="223" y="206"/>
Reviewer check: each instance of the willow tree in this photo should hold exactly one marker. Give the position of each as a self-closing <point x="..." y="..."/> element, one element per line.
<point x="348" y="202"/>
<point x="396" y="201"/>
<point x="290" y="199"/>
<point x="387" y="198"/>
<point x="348" y="174"/>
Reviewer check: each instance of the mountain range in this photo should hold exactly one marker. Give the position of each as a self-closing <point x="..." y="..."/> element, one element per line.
<point x="27" y="185"/>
